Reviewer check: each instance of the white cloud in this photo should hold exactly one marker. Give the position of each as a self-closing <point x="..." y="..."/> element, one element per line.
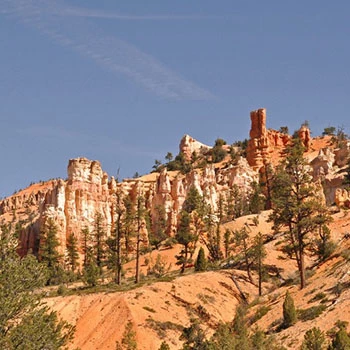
<point x="116" y="55"/>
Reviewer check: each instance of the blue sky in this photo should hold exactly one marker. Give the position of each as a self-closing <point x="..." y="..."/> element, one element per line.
<point x="123" y="81"/>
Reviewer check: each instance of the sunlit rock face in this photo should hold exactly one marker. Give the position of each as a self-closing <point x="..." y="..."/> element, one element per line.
<point x="263" y="142"/>
<point x="189" y="146"/>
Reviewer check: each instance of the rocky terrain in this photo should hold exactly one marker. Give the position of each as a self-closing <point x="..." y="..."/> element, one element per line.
<point x="159" y="310"/>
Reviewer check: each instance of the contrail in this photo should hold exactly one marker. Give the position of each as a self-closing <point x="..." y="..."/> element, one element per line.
<point x="114" y="54"/>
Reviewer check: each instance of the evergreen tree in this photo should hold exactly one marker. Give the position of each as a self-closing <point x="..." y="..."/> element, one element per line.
<point x="129" y="338"/>
<point x="240" y="238"/>
<point x="114" y="242"/>
<point x="240" y="328"/>
<point x="91" y="271"/>
<point x="295" y="205"/>
<point x="341" y="339"/>
<point x="227" y="242"/>
<point x="259" y="253"/>
<point x="256" y="199"/>
<point x="85" y="243"/>
<point x="193" y="200"/>
<point x="201" y="262"/>
<point x="194" y="337"/>
<point x="128" y="223"/>
<point x="99" y="241"/>
<point x="314" y="339"/>
<point x="48" y="252"/>
<point x="140" y="213"/>
<point x="72" y="252"/>
<point x="289" y="312"/>
<point x="223" y="338"/>
<point x="159" y="227"/>
<point x="185" y="237"/>
<point x="164" y="346"/>
<point x="25" y="322"/>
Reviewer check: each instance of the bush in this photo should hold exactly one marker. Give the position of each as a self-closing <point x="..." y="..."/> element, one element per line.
<point x="311" y="313"/>
<point x="260" y="312"/>
<point x="201" y="262"/>
<point x="314" y="339"/>
<point x="289" y="312"/>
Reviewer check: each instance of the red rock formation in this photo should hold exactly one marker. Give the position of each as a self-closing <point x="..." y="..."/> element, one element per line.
<point x="305" y="136"/>
<point x="263" y="143"/>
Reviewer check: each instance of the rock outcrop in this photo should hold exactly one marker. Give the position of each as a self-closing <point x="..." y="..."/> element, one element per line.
<point x="263" y="143"/>
<point x="188" y="146"/>
<point x="88" y="190"/>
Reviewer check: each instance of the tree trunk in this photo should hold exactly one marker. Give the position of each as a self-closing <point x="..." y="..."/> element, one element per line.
<point x="118" y="276"/>
<point x="260" y="275"/>
<point x="137" y="271"/>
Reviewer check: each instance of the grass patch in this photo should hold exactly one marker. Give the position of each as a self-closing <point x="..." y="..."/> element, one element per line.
<point x="311" y="313"/>
<point x="205" y="298"/>
<point x="318" y="296"/>
<point x="162" y="327"/>
<point x="149" y="309"/>
<point x="260" y="312"/>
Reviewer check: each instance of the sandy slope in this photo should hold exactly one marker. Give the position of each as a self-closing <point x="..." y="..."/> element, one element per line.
<point x="158" y="311"/>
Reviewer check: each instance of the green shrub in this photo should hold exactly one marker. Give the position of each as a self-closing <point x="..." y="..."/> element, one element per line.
<point x="289" y="312"/>
<point x="314" y="339"/>
<point x="311" y="313"/>
<point x="260" y="312"/>
<point x="201" y="262"/>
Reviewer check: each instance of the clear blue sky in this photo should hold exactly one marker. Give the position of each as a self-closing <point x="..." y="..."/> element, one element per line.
<point x="123" y="81"/>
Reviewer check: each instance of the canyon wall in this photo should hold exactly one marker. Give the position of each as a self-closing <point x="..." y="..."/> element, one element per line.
<point x="74" y="203"/>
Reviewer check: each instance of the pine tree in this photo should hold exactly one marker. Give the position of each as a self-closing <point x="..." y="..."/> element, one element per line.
<point x="99" y="241"/>
<point x="164" y="346"/>
<point x="240" y="238"/>
<point x="114" y="242"/>
<point x="72" y="252"/>
<point x="159" y="227"/>
<point x="259" y="253"/>
<point x="227" y="242"/>
<point x="128" y="223"/>
<point x="289" y="312"/>
<point x="185" y="237"/>
<point x="341" y="339"/>
<point x="48" y="252"/>
<point x="295" y="205"/>
<point x="25" y="322"/>
<point x="240" y="328"/>
<point x="140" y="213"/>
<point x="129" y="338"/>
<point x="201" y="262"/>
<point x="85" y="243"/>
<point x="314" y="339"/>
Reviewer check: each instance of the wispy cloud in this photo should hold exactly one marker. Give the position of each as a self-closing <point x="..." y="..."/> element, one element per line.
<point x="81" y="12"/>
<point x="110" y="52"/>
